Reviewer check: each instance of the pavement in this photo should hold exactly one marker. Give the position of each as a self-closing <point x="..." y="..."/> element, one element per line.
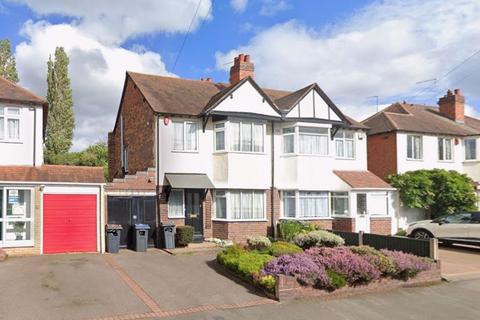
<point x="460" y="262"/>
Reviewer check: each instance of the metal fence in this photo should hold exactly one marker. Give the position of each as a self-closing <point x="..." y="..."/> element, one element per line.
<point x="418" y="247"/>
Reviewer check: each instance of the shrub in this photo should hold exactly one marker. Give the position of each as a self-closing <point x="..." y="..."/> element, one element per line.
<point x="343" y="261"/>
<point x="184" y="235"/>
<point x="407" y="265"/>
<point x="259" y="243"/>
<point x="290" y="228"/>
<point x="380" y="261"/>
<point x="300" y="266"/>
<point x="280" y="248"/>
<point x="337" y="281"/>
<point x="318" y="238"/>
<point x="268" y="281"/>
<point x="401" y="233"/>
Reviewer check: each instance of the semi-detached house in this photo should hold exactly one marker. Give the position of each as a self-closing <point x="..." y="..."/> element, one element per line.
<point x="233" y="159"/>
<point x="406" y="137"/>
<point x="43" y="208"/>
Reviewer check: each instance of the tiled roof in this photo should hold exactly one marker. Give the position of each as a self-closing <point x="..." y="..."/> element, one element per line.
<point x="362" y="179"/>
<point x="421" y="119"/>
<point x="52" y="173"/>
<point x="12" y="92"/>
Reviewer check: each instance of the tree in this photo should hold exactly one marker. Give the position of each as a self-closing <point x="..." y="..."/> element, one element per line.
<point x="61" y="119"/>
<point x="437" y="191"/>
<point x="8" y="68"/>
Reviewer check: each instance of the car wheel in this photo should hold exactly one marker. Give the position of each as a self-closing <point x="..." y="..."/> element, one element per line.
<point x="422" y="234"/>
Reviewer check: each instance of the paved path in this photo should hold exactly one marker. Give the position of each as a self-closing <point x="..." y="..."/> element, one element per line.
<point x="460" y="262"/>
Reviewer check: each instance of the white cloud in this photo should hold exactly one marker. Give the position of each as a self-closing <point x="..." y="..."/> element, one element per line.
<point x="97" y="72"/>
<point x="114" y="21"/>
<point x="239" y="5"/>
<point x="381" y="50"/>
<point x="272" y="7"/>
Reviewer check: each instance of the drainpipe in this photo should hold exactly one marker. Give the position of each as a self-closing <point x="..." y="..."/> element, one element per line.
<point x="157" y="175"/>
<point x="34" y="136"/>
<point x="272" y="188"/>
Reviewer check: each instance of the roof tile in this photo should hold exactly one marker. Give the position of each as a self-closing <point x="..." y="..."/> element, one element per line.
<point x="362" y="179"/>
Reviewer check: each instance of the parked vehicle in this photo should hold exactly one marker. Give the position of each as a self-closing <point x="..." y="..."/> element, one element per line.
<point x="463" y="227"/>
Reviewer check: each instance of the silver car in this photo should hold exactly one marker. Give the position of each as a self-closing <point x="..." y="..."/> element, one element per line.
<point x="457" y="227"/>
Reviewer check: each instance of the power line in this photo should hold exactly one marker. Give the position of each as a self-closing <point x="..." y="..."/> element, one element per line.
<point x="186" y="35"/>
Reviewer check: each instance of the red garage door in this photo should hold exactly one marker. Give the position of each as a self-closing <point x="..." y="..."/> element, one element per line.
<point x="69" y="223"/>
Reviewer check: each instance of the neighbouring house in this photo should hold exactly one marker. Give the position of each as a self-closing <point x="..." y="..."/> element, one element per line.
<point x="406" y="137"/>
<point x="232" y="159"/>
<point x="43" y="208"/>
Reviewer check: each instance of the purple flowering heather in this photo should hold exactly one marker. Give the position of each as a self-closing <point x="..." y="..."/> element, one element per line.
<point x="355" y="268"/>
<point x="407" y="265"/>
<point x="301" y="267"/>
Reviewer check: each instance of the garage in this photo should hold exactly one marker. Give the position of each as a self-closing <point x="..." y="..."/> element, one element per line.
<point x="69" y="223"/>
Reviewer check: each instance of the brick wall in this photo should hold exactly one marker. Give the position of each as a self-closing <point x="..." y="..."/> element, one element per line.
<point x="381" y="226"/>
<point x="37" y="231"/>
<point x="139" y="134"/>
<point x="343" y="224"/>
<point x="207" y="215"/>
<point x="239" y="231"/>
<point x="326" y="224"/>
<point x="382" y="154"/>
<point x="276" y="209"/>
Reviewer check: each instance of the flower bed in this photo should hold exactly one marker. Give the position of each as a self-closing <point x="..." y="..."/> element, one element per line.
<point x="324" y="268"/>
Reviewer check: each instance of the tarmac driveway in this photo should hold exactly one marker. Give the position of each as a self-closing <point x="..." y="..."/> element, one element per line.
<point x="460" y="262"/>
<point x="128" y="285"/>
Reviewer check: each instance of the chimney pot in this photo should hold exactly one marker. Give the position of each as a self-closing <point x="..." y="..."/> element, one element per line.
<point x="242" y="67"/>
<point x="247" y="58"/>
<point x="453" y="105"/>
<point x="457" y="92"/>
<point x="241" y="57"/>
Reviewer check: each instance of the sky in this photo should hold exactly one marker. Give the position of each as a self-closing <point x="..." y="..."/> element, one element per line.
<point x="356" y="50"/>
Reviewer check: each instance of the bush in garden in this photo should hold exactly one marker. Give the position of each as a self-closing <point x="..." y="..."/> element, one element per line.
<point x="259" y="243"/>
<point x="229" y="256"/>
<point x="383" y="263"/>
<point x="300" y="266"/>
<point x="290" y="228"/>
<point x="318" y="238"/>
<point x="280" y="248"/>
<point x="343" y="261"/>
<point x="184" y="235"/>
<point x="244" y="262"/>
<point x="266" y="281"/>
<point x="337" y="281"/>
<point x="407" y="265"/>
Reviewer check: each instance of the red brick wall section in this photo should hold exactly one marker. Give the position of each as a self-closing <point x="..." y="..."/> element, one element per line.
<point x="276" y="209"/>
<point x="220" y="229"/>
<point x="381" y="226"/>
<point x="382" y="154"/>
<point x="207" y="215"/>
<point x="139" y="134"/>
<point x="326" y="224"/>
<point x="343" y="224"/>
<point x="239" y="231"/>
<point x="452" y="105"/>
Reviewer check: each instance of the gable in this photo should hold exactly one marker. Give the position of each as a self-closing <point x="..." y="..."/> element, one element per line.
<point x="246" y="99"/>
<point x="312" y="105"/>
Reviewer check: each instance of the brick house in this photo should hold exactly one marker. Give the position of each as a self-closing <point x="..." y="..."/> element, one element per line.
<point x="43" y="208"/>
<point x="406" y="137"/>
<point x="233" y="159"/>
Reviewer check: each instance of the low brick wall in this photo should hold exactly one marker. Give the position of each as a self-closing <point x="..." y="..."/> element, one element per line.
<point x="239" y="231"/>
<point x="381" y="226"/>
<point x="344" y="224"/>
<point x="288" y="288"/>
<point x="325" y="224"/>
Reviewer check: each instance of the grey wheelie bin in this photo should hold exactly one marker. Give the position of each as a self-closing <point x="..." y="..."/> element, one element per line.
<point x="140" y="237"/>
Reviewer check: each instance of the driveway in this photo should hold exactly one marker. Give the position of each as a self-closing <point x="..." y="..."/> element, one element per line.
<point x="129" y="285"/>
<point x="460" y="262"/>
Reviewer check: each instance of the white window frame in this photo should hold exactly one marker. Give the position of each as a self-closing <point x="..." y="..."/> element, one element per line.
<point x="241" y="122"/>
<point x="296" y="140"/>
<point x="184" y="126"/>
<point x="297" y="206"/>
<point x="229" y="215"/>
<point x="413" y="137"/>
<point x="215" y="130"/>
<point x="17" y="243"/>
<point x="475" y="151"/>
<point x="336" y="194"/>
<point x="444" y="141"/>
<point x="6" y="116"/>
<point x="294" y="134"/>
<point x="170" y="215"/>
<point x="341" y="136"/>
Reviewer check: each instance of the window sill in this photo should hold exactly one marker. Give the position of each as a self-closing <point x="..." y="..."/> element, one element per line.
<point x="176" y="217"/>
<point x="415" y="160"/>
<point x="185" y="151"/>
<point x="239" y="220"/>
<point x="18" y="244"/>
<point x="342" y="216"/>
<point x="379" y="217"/>
<point x="287" y="155"/>
<point x="340" y="158"/>
<point x="307" y="219"/>
<point x="446" y="161"/>
<point x="247" y="152"/>
<point x="11" y="141"/>
<point x="471" y="161"/>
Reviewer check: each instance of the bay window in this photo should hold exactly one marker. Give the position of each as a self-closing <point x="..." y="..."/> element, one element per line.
<point x="305" y="204"/>
<point x="9" y="124"/>
<point x="414" y="147"/>
<point x="16" y="217"/>
<point x="240" y="204"/>
<point x="471" y="149"/>
<point x="340" y="203"/>
<point x="185" y="136"/>
<point x="344" y="144"/>
<point x="246" y="136"/>
<point x="176" y="208"/>
<point x="289" y="204"/>
<point x="445" y="146"/>
<point x="289" y="140"/>
<point x="313" y="140"/>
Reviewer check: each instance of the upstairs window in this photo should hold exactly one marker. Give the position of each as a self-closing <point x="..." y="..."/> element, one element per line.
<point x="470" y="149"/>
<point x="313" y="140"/>
<point x="414" y="147"/>
<point x="185" y="136"/>
<point x="445" y="149"/>
<point x="344" y="145"/>
<point x="220" y="136"/>
<point x="246" y="136"/>
<point x="9" y="124"/>
<point x="289" y="140"/>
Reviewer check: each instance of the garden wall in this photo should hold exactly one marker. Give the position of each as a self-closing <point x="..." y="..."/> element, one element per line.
<point x="288" y="288"/>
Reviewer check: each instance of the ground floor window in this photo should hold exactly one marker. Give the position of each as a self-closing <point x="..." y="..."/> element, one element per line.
<point x="16" y="217"/>
<point x="340" y="203"/>
<point x="176" y="204"/>
<point x="305" y="204"/>
<point x="240" y="204"/>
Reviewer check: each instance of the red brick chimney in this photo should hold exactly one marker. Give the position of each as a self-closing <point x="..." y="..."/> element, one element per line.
<point x="242" y="68"/>
<point x="452" y="105"/>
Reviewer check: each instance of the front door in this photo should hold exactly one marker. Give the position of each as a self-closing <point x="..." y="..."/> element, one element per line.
<point x="194" y="212"/>
<point x="362" y="220"/>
